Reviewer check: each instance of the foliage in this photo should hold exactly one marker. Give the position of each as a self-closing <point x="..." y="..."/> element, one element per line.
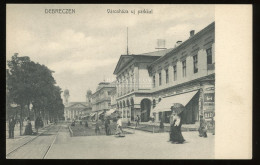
<point x="32" y="83"/>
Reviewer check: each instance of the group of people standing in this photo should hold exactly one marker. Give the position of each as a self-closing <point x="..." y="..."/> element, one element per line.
<point x="28" y="127"/>
<point x="119" y="130"/>
<point x="37" y="124"/>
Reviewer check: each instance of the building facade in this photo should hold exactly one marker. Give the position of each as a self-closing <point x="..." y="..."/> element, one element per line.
<point x="101" y="99"/>
<point x="185" y="73"/>
<point x="76" y="110"/>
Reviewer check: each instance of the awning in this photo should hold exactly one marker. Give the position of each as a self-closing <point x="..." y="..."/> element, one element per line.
<point x="167" y="102"/>
<point x="110" y="112"/>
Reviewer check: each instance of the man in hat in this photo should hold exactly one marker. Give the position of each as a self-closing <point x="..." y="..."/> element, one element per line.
<point x="12" y="123"/>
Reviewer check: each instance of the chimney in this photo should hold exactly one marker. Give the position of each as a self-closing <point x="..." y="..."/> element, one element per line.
<point x="192" y="33"/>
<point x="178" y="43"/>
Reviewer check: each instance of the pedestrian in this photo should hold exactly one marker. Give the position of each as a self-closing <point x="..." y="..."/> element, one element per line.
<point x="28" y="127"/>
<point x="175" y="133"/>
<point x="161" y="125"/>
<point x="86" y="124"/>
<point x="41" y="122"/>
<point x="107" y="126"/>
<point x="97" y="130"/>
<point x="80" y="123"/>
<point x="119" y="127"/>
<point x="213" y="125"/>
<point x="73" y="123"/>
<point x="203" y="127"/>
<point x="11" y="125"/>
<point x="37" y="124"/>
<point x="137" y="119"/>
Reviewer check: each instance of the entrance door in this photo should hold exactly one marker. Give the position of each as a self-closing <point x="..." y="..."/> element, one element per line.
<point x="145" y="110"/>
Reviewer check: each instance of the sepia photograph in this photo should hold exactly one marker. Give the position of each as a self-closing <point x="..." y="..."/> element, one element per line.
<point x="111" y="81"/>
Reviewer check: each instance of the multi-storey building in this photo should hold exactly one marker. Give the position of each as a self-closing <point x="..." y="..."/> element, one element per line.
<point x="101" y="99"/>
<point x="151" y="83"/>
<point x="76" y="110"/>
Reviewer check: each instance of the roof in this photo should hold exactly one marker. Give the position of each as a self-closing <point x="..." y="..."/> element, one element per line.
<point x="159" y="52"/>
<point x="105" y="85"/>
<point x="185" y="43"/>
<point x="126" y="59"/>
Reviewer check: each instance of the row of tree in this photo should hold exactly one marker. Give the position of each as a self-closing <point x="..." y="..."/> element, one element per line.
<point x="32" y="87"/>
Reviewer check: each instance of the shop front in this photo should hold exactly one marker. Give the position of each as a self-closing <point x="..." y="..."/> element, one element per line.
<point x="190" y="100"/>
<point x="208" y="101"/>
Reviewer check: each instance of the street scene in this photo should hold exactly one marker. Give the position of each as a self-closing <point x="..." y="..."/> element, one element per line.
<point x="131" y="82"/>
<point x="55" y="142"/>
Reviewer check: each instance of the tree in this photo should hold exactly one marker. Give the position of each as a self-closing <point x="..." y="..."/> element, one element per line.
<point x="32" y="83"/>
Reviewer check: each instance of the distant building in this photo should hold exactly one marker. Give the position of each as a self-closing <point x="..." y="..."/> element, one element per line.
<point x="76" y="110"/>
<point x="150" y="83"/>
<point x="101" y="99"/>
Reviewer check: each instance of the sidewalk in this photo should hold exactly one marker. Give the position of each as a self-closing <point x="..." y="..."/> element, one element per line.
<point x="154" y="127"/>
<point x="18" y="140"/>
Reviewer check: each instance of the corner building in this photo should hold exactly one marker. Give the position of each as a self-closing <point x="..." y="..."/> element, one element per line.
<point x="148" y="84"/>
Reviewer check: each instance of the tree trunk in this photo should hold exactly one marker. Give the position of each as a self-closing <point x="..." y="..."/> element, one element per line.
<point x="21" y="121"/>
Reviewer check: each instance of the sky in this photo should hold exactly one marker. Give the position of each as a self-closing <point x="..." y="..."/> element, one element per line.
<point x="83" y="48"/>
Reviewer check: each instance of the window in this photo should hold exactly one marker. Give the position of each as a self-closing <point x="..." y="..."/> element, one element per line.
<point x="167" y="76"/>
<point x="174" y="73"/>
<point x="160" y="78"/>
<point x="132" y="76"/>
<point x="209" y="56"/>
<point x="154" y="81"/>
<point x="184" y="68"/>
<point x="128" y="84"/>
<point x="195" y="63"/>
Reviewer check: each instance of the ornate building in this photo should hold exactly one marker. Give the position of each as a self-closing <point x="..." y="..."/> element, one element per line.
<point x="148" y="84"/>
<point x="76" y="110"/>
<point x="101" y="99"/>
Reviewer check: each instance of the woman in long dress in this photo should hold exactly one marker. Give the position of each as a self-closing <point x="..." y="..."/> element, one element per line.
<point x="28" y="127"/>
<point x="175" y="134"/>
